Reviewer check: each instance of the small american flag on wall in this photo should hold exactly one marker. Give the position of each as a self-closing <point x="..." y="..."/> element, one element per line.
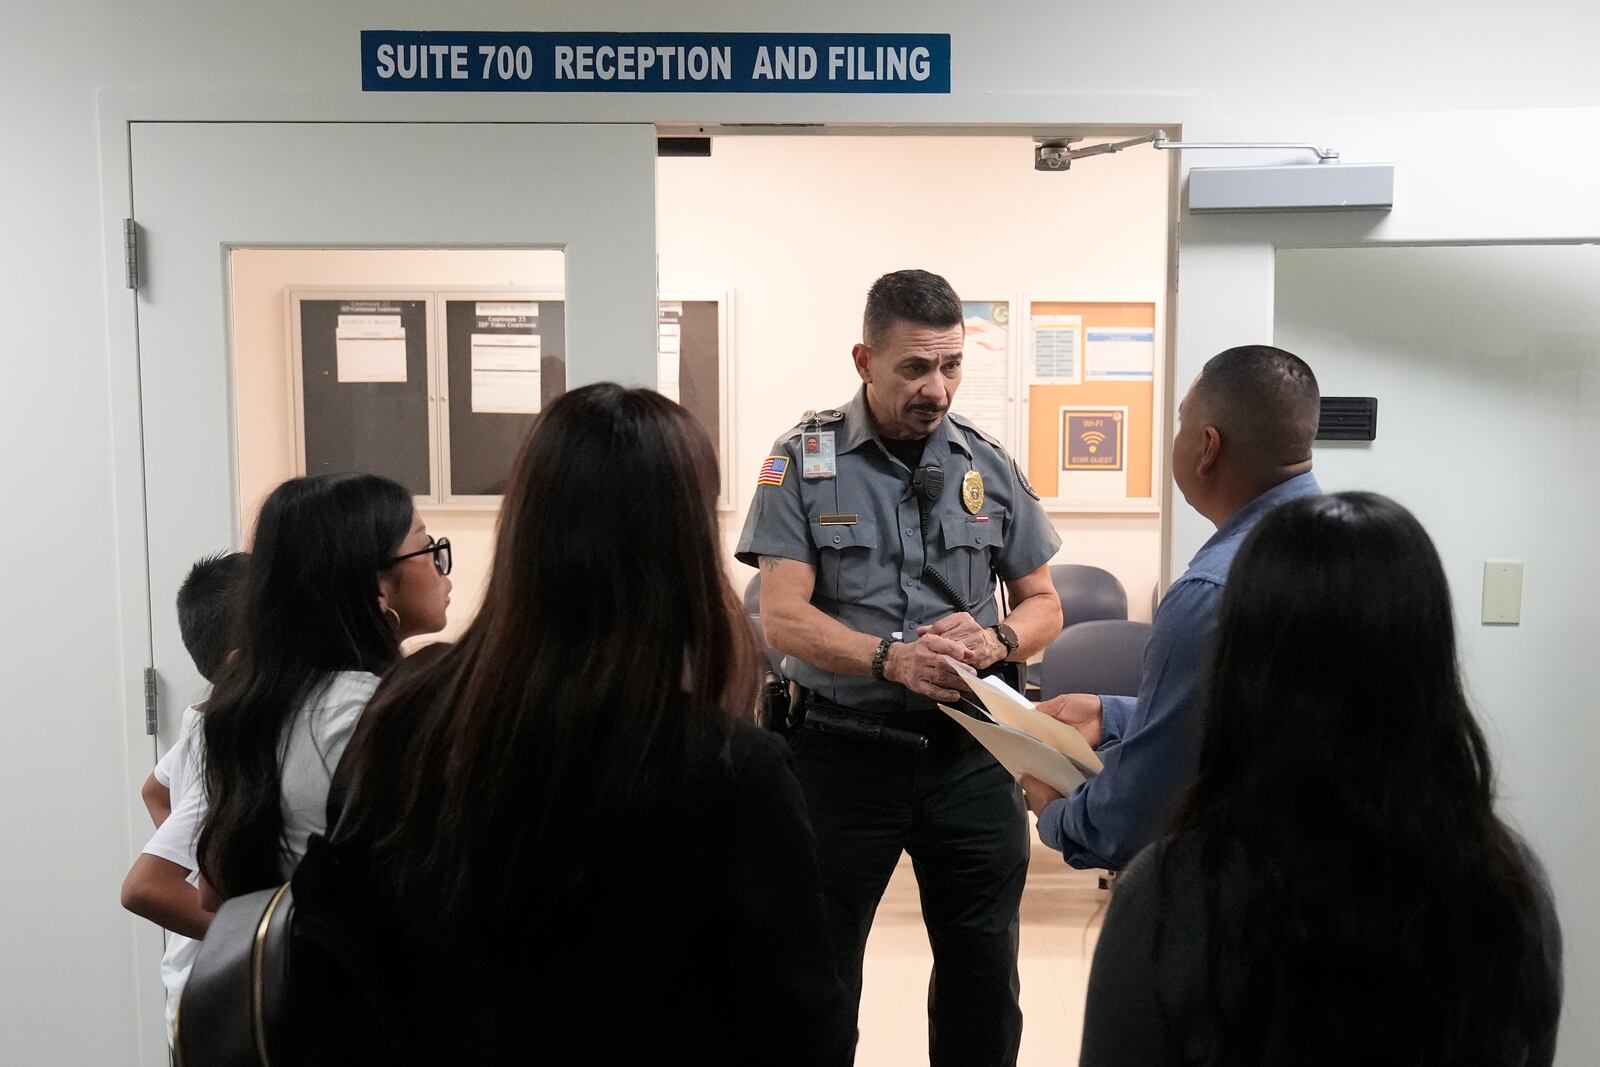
<point x="773" y="470"/>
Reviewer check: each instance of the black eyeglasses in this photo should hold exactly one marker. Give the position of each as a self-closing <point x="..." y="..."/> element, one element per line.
<point x="439" y="550"/>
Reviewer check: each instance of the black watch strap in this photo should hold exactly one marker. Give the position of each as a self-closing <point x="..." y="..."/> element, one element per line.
<point x="1007" y="636"/>
<point x="879" y="658"/>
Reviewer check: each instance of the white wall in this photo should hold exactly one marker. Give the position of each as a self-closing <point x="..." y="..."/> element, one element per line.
<point x="67" y="992"/>
<point x="1486" y="365"/>
<point x="798" y="228"/>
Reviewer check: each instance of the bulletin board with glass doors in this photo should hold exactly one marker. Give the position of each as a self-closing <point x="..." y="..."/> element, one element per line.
<point x="437" y="388"/>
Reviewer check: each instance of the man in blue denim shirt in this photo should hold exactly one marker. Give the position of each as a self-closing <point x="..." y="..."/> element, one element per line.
<point x="1242" y="448"/>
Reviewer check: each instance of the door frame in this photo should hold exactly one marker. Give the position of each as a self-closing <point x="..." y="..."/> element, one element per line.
<point x="1107" y="114"/>
<point x="1092" y="114"/>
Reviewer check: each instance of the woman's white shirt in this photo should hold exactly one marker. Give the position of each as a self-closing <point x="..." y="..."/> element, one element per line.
<point x="313" y="741"/>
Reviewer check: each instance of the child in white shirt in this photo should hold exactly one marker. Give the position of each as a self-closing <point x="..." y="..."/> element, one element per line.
<point x="162" y="884"/>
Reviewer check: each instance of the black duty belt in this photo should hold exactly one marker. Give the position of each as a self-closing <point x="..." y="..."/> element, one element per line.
<point x="830" y="718"/>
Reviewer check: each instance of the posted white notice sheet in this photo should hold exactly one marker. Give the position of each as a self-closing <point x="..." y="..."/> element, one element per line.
<point x="370" y="348"/>
<point x="669" y="347"/>
<point x="505" y="374"/>
<point x="1119" y="353"/>
<point x="986" y="365"/>
<point x="1057" y="350"/>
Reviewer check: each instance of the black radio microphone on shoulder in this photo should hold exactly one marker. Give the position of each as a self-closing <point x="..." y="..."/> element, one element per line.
<point x="928" y="483"/>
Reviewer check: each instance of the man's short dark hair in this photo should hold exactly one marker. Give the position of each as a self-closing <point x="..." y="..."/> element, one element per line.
<point x="206" y="602"/>
<point x="914" y="296"/>
<point x="1264" y="399"/>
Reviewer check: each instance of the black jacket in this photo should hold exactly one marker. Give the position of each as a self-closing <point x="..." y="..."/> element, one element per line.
<point x="708" y="946"/>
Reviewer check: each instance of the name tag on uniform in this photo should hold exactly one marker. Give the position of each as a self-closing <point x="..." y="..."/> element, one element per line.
<point x="836" y="520"/>
<point x="816" y="455"/>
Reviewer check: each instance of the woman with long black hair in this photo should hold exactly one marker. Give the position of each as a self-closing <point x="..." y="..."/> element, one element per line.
<point x="342" y="570"/>
<point x="563" y="840"/>
<point x="1336" y="887"/>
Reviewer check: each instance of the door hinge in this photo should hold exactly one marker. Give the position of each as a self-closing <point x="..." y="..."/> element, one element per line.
<point x="130" y="253"/>
<point x="152" y="700"/>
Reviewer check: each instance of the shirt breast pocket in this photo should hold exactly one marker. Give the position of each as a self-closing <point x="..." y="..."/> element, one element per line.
<point x="845" y="557"/>
<point x="970" y="547"/>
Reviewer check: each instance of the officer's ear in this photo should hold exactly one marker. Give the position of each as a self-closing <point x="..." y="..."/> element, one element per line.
<point x="862" y="354"/>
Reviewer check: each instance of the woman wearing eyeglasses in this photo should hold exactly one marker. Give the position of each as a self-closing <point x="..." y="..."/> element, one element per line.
<point x="342" y="571"/>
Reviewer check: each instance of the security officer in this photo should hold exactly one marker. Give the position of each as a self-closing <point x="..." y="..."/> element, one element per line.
<point x="879" y="529"/>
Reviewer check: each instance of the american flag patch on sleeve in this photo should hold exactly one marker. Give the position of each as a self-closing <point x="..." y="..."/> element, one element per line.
<point x="773" y="470"/>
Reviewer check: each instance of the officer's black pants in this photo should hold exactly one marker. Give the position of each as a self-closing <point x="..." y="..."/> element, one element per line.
<point x="961" y="818"/>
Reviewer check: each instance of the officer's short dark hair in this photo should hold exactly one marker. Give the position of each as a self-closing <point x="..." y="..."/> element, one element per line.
<point x="205" y="608"/>
<point x="1263" y="399"/>
<point x="915" y="296"/>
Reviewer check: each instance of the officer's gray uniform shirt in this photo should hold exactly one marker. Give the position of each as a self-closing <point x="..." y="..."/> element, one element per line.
<point x="862" y="532"/>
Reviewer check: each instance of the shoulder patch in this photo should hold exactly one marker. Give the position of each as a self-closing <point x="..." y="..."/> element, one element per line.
<point x="1022" y="480"/>
<point x="773" y="471"/>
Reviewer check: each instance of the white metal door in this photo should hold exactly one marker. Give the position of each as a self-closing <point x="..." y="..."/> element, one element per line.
<point x="200" y="189"/>
<point x="1486" y="364"/>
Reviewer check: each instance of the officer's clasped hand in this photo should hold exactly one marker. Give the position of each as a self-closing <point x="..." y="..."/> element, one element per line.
<point x="963" y="629"/>
<point x="920" y="666"/>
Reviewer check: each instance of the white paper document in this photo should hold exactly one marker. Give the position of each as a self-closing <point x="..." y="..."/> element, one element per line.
<point x="986" y="366"/>
<point x="1057" y="345"/>
<point x="370" y="348"/>
<point x="1024" y="739"/>
<point x="517" y="309"/>
<point x="1010" y="708"/>
<point x="669" y="348"/>
<point x="1021" y="754"/>
<point x="505" y="374"/>
<point x="1119" y="354"/>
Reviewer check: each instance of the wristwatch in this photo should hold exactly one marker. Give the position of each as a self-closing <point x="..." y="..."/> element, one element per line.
<point x="1007" y="636"/>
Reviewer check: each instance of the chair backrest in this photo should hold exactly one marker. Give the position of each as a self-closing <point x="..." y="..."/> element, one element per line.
<point x="752" y="595"/>
<point x="771" y="659"/>
<point x="752" y="607"/>
<point x="1103" y="656"/>
<point x="1088" y="593"/>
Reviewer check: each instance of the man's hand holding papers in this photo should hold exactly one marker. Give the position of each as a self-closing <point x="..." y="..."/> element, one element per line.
<point x="1081" y="711"/>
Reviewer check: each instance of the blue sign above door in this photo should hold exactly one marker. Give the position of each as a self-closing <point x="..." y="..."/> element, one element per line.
<point x="449" y="61"/>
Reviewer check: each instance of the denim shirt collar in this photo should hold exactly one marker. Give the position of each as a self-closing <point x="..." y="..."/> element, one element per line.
<point x="1298" y="486"/>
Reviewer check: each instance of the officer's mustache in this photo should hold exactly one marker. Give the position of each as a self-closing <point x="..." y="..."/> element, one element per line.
<point x="930" y="409"/>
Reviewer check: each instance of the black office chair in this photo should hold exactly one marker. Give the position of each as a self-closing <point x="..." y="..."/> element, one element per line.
<point x="1087" y="594"/>
<point x="1104" y="656"/>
